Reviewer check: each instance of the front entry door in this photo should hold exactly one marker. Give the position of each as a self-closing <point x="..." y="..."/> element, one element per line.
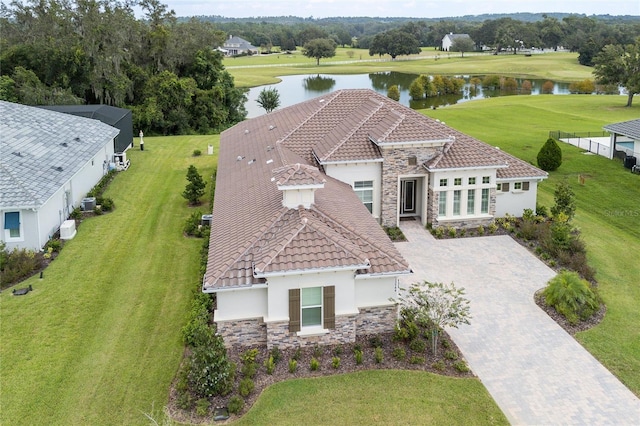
<point x="408" y="197"/>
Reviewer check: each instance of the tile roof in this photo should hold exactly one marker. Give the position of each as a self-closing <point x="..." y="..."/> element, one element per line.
<point x="40" y="150"/>
<point x="629" y="128"/>
<point x="253" y="233"/>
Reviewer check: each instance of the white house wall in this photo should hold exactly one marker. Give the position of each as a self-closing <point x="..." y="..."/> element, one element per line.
<point x="514" y="202"/>
<point x="375" y="291"/>
<point x="353" y="172"/>
<point x="241" y="304"/>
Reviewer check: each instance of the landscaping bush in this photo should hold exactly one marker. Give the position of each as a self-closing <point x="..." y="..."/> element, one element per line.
<point x="451" y="355"/>
<point x="335" y="362"/>
<point x="417" y="359"/>
<point x="245" y="387"/>
<point x="197" y="153"/>
<point x="195" y="188"/>
<point x="564" y="201"/>
<point x="317" y="351"/>
<point x="378" y="355"/>
<point x="314" y="364"/>
<point x="337" y="351"/>
<point x="550" y="156"/>
<point x="418" y="345"/>
<point x="106" y="203"/>
<point x="193" y="228"/>
<point x="196" y="331"/>
<point x="202" y="407"/>
<point x="55" y="244"/>
<point x="235" y="405"/>
<point x="375" y="342"/>
<point x="571" y="296"/>
<point x="297" y="354"/>
<point x="395" y="233"/>
<point x="270" y="364"/>
<point x="293" y="366"/>
<point x="249" y="369"/>
<point x="399" y="353"/>
<point x="210" y="372"/>
<point x="18" y="264"/>
<point x="461" y="366"/>
<point x="439" y="365"/>
<point x="276" y="354"/>
<point x="359" y="356"/>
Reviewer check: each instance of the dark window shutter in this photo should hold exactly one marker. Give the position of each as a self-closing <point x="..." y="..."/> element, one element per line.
<point x="525" y="186"/>
<point x="505" y="187"/>
<point x="329" y="306"/>
<point x="294" y="310"/>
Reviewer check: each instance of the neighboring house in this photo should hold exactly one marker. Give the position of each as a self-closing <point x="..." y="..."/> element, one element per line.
<point x="447" y="41"/>
<point x="235" y="45"/>
<point x="120" y="118"/>
<point x="48" y="163"/>
<point x="625" y="137"/>
<point x="297" y="255"/>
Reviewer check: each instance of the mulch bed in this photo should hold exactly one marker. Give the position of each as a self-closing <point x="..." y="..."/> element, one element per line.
<point x="347" y="365"/>
<point x="572" y="329"/>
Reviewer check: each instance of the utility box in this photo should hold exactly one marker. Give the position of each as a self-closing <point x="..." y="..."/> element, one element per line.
<point x="88" y="204"/>
<point x="206" y="219"/>
<point x="68" y="230"/>
<point x="210" y="150"/>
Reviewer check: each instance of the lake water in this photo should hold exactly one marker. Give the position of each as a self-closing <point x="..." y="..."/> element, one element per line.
<point x="297" y="88"/>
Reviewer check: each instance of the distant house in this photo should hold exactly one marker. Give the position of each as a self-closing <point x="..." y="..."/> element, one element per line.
<point x="625" y="138"/>
<point x="447" y="41"/>
<point x="120" y="118"/>
<point x="235" y="45"/>
<point x="297" y="255"/>
<point x="48" y="163"/>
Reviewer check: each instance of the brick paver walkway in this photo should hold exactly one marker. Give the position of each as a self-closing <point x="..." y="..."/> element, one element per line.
<point x="536" y="372"/>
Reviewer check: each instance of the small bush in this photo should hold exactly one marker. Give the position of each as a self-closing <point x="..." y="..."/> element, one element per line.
<point x="245" y="387"/>
<point x="541" y="210"/>
<point x="480" y="230"/>
<point x="193" y="228"/>
<point x="337" y="351"/>
<point x="378" y="355"/>
<point x="249" y="356"/>
<point x="235" y="404"/>
<point x="317" y="351"/>
<point x="185" y="400"/>
<point x="314" y="365"/>
<point x="276" y="354"/>
<point x="297" y="354"/>
<point x="461" y="366"/>
<point x="359" y="355"/>
<point x="357" y="347"/>
<point x="439" y="365"/>
<point x="399" y="353"/>
<point x="439" y="232"/>
<point x="451" y="231"/>
<point x="270" y="365"/>
<point x="76" y="214"/>
<point x="450" y="355"/>
<point x="18" y="264"/>
<point x="335" y="362"/>
<point x="417" y="345"/>
<point x="197" y="153"/>
<point x="445" y="343"/>
<point x="571" y="296"/>
<point x="54" y="244"/>
<point x="202" y="407"/>
<point x="463" y="232"/>
<point x="249" y="370"/>
<point x="417" y="359"/>
<point x="106" y="204"/>
<point x="293" y="365"/>
<point x="375" y="342"/>
<point x="400" y="333"/>
<point x="492" y="228"/>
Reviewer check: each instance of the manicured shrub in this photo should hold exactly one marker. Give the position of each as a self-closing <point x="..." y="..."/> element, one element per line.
<point x="209" y="371"/>
<point x="17" y="264"/>
<point x="192" y="226"/>
<point x="293" y="366"/>
<point x="480" y="230"/>
<point x="276" y="354"/>
<point x="359" y="356"/>
<point x="417" y="359"/>
<point x="317" y="351"/>
<point x="202" y="407"/>
<point x="335" y="362"/>
<point x="337" y="351"/>
<point x="314" y="365"/>
<point x="270" y="365"/>
<point x="393" y="93"/>
<point x="547" y="87"/>
<point x="54" y="244"/>
<point x="399" y="353"/>
<point x="446" y="343"/>
<point x="197" y="153"/>
<point x="461" y="366"/>
<point x="439" y="365"/>
<point x="550" y="156"/>
<point x="297" y="354"/>
<point x="106" y="204"/>
<point x="492" y="228"/>
<point x="564" y="201"/>
<point x="417" y="345"/>
<point x="249" y="356"/>
<point x="451" y="231"/>
<point x="451" y="355"/>
<point x="249" y="369"/>
<point x="378" y="355"/>
<point x="571" y="296"/>
<point x="235" y="404"/>
<point x="196" y="186"/>
<point x="245" y="387"/>
<point x="439" y="232"/>
<point x="184" y="400"/>
<point x="375" y="342"/>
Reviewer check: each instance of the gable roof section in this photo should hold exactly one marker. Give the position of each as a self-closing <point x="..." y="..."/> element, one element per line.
<point x="239" y="43"/>
<point x="629" y="128"/>
<point x="40" y="150"/>
<point x="298" y="175"/>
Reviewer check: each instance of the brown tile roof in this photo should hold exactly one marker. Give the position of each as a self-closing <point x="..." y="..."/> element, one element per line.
<point x="253" y="232"/>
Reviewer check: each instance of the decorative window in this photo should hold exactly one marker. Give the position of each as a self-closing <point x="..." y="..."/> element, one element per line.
<point x="484" y="203"/>
<point x="486" y="179"/>
<point x="457" y="181"/>
<point x="456" y="202"/>
<point x="444" y="182"/>
<point x="364" y="190"/>
<point x="517" y="186"/>
<point x="442" y="203"/>
<point x="312" y="307"/>
<point x="505" y="187"/>
<point x="12" y="228"/>
<point x="413" y="160"/>
<point x="471" y="201"/>
<point x="525" y="186"/>
<point x="498" y="187"/>
<point x="472" y="181"/>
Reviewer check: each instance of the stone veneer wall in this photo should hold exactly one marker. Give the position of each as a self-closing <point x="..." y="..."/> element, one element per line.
<point x="377" y="319"/>
<point x="247" y="332"/>
<point x="432" y="212"/>
<point x="396" y="163"/>
<point x="278" y="334"/>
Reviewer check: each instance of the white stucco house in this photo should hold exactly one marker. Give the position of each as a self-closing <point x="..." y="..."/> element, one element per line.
<point x="449" y="39"/>
<point x="48" y="162"/>
<point x="235" y="45"/>
<point x="297" y="255"/>
<point x="625" y="137"/>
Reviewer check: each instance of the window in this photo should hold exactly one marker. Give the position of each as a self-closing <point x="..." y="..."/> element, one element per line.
<point x="486" y="179"/>
<point x="12" y="224"/>
<point x="456" y="202"/>
<point x="484" y="205"/>
<point x="471" y="201"/>
<point x="413" y="160"/>
<point x="498" y="187"/>
<point x="525" y="186"/>
<point x="311" y="305"/>
<point x="472" y="181"/>
<point x="457" y="181"/>
<point x="364" y="190"/>
<point x="444" y="182"/>
<point x="442" y="203"/>
<point x="517" y="186"/>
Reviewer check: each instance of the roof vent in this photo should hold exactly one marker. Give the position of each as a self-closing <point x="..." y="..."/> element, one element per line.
<point x="271" y="127"/>
<point x="17" y="153"/>
<point x="252" y="161"/>
<point x="246" y="131"/>
<point x="64" y="144"/>
<point x="269" y="161"/>
<point x="239" y="158"/>
<point x="57" y="169"/>
<point x="269" y="148"/>
<point x="321" y="100"/>
<point x="77" y="139"/>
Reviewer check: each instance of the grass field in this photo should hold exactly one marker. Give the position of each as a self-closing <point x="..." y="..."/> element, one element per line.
<point x="608" y="204"/>
<point x="98" y="340"/>
<point x="255" y="70"/>
<point x="380" y="397"/>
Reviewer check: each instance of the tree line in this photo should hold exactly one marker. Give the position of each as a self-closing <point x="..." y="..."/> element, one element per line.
<point x="97" y="51"/>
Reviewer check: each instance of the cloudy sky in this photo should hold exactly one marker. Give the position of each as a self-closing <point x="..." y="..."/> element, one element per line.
<point x="403" y="8"/>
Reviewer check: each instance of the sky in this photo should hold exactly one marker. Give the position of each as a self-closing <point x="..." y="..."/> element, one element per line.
<point x="396" y="8"/>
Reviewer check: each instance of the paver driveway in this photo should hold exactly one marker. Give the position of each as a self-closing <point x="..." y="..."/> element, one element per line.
<point x="536" y="372"/>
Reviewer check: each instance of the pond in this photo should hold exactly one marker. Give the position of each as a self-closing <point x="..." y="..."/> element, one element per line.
<point x="297" y="88"/>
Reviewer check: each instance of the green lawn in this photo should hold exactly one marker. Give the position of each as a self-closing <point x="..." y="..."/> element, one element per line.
<point x="380" y="397"/>
<point x="253" y="71"/>
<point x="608" y="205"/>
<point x="98" y="340"/>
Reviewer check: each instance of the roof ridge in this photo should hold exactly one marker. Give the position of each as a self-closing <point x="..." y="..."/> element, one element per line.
<point x="401" y="117"/>
<point x="312" y="115"/>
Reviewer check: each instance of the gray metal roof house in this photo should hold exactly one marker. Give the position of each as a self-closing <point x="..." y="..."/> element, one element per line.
<point x="235" y="45"/>
<point x="48" y="163"/>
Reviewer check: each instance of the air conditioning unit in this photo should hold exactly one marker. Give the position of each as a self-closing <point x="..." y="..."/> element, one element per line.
<point x="88" y="204"/>
<point x="629" y="161"/>
<point x="68" y="230"/>
<point x="206" y="219"/>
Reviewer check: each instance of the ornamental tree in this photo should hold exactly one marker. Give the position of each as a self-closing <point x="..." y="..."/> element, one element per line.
<point x="195" y="188"/>
<point x="550" y="156"/>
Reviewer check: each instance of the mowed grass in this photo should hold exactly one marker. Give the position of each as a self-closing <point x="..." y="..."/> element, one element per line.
<point x="256" y="70"/>
<point x="608" y="204"/>
<point x="98" y="340"/>
<point x="380" y="397"/>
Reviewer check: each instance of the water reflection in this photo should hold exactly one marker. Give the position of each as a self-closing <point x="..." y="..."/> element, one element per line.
<point x="298" y="88"/>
